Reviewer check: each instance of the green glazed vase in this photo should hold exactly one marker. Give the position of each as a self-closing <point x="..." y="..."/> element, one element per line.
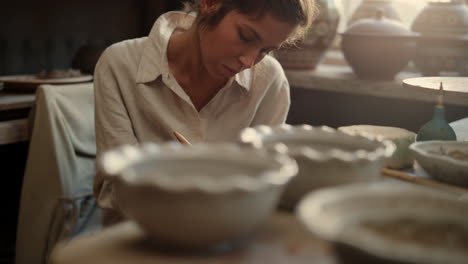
<point x="437" y="128"/>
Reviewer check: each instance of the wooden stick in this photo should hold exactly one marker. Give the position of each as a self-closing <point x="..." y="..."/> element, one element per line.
<point x="181" y="138"/>
<point x="420" y="180"/>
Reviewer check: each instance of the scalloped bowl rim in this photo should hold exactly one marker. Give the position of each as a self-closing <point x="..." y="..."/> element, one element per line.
<point x="277" y="172"/>
<point x="382" y="148"/>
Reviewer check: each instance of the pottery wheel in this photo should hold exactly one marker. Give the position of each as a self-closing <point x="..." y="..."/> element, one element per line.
<point x="451" y="84"/>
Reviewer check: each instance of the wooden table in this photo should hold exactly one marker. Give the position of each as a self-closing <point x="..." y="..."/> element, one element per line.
<point x="13" y="116"/>
<point x="282" y="240"/>
<point x="12" y="101"/>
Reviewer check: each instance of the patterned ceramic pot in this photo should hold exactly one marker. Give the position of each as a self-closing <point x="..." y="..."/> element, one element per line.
<point x="319" y="38"/>
<point x="368" y="8"/>
<point x="443" y="45"/>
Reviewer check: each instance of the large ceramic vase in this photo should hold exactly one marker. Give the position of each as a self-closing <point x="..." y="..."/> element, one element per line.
<point x="377" y="48"/>
<point x="368" y="8"/>
<point x="309" y="52"/>
<point x="443" y="41"/>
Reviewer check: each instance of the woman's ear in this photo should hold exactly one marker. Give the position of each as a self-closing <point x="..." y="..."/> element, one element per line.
<point x="209" y="6"/>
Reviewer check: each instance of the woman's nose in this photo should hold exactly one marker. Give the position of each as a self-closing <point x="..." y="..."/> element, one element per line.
<point x="247" y="61"/>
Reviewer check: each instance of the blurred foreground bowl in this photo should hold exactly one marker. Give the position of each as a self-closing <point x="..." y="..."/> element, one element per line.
<point x="391" y="223"/>
<point x="198" y="197"/>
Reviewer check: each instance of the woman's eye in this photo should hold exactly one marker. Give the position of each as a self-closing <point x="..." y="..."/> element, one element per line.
<point x="243" y="37"/>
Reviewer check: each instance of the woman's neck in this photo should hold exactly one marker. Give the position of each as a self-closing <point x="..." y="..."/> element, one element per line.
<point x="186" y="65"/>
<point x="184" y="56"/>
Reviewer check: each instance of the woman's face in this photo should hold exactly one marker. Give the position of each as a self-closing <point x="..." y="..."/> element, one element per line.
<point x="239" y="42"/>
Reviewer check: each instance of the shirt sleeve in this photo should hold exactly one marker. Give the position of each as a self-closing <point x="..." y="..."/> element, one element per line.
<point x="112" y="122"/>
<point x="274" y="106"/>
<point x="113" y="125"/>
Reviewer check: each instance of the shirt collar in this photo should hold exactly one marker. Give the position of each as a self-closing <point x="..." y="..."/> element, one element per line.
<point x="244" y="78"/>
<point x="154" y="57"/>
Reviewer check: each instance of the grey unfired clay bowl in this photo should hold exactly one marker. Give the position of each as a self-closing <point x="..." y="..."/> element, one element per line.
<point x="325" y="156"/>
<point x="433" y="157"/>
<point x="198" y="197"/>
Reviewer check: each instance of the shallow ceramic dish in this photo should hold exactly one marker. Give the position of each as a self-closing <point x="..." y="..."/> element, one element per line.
<point x="198" y="197"/>
<point x="325" y="156"/>
<point x="389" y="223"/>
<point x="445" y="161"/>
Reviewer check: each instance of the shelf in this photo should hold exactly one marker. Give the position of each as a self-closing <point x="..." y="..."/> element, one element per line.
<point x="340" y="78"/>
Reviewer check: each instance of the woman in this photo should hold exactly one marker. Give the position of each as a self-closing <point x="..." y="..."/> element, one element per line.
<point x="206" y="76"/>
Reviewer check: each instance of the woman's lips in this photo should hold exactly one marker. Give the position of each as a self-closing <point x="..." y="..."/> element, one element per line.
<point x="231" y="71"/>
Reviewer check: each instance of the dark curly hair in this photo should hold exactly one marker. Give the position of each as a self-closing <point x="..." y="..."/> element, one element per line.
<point x="297" y="12"/>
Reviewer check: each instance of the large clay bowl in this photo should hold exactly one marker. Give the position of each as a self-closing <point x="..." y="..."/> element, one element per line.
<point x="198" y="197"/>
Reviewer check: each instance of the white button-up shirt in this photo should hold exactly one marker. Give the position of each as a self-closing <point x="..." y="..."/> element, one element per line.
<point x="139" y="100"/>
